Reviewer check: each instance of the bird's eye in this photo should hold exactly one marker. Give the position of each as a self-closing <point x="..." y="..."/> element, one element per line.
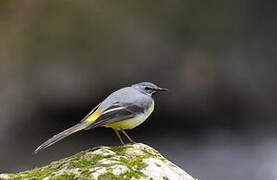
<point x="147" y="88"/>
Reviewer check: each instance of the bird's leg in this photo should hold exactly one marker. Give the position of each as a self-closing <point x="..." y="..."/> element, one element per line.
<point x="119" y="137"/>
<point x="132" y="141"/>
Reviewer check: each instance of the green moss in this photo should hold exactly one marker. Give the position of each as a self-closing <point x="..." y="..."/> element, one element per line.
<point x="151" y="153"/>
<point x="82" y="163"/>
<point x="103" y="165"/>
<point x="37" y="173"/>
<point x="108" y="176"/>
<point x="124" y="160"/>
<point x="120" y="149"/>
<point x="64" y="177"/>
<point x="97" y="157"/>
<point x="138" y="162"/>
<point x="72" y="162"/>
<point x="129" y="174"/>
<point x="85" y="174"/>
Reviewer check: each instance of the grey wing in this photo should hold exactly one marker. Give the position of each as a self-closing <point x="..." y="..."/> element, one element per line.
<point x="115" y="113"/>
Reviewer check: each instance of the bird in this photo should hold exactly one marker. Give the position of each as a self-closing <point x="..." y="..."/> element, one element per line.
<point x="123" y="109"/>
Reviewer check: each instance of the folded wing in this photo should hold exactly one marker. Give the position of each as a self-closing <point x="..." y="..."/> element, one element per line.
<point x="117" y="112"/>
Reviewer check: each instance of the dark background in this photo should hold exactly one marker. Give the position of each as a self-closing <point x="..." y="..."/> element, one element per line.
<point x="58" y="59"/>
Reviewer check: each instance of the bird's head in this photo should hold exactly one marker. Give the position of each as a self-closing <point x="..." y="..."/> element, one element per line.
<point x="148" y="88"/>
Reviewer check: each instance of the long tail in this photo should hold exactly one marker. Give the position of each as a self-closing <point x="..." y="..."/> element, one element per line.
<point x="61" y="135"/>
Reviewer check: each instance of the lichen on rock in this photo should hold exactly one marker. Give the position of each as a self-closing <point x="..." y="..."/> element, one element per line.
<point x="136" y="161"/>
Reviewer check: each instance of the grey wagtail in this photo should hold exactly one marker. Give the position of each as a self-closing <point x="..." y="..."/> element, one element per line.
<point x="125" y="108"/>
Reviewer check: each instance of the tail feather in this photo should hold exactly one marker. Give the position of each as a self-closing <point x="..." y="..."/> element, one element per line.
<point x="60" y="136"/>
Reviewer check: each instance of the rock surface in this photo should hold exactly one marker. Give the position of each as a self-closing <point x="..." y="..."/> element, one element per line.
<point x="137" y="161"/>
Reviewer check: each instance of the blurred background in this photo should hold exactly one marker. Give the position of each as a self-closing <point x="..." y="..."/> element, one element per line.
<point x="58" y="59"/>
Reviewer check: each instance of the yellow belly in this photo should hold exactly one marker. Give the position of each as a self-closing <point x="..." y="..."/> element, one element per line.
<point x="133" y="122"/>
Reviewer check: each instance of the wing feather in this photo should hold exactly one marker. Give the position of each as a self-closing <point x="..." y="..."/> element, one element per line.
<point x="115" y="113"/>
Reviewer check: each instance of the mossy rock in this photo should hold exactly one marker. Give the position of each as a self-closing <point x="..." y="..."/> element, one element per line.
<point x="137" y="161"/>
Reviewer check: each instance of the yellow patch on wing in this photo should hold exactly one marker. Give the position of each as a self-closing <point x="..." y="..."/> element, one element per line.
<point x="94" y="116"/>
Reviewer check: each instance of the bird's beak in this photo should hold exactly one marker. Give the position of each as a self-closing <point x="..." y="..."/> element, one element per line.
<point x="162" y="89"/>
